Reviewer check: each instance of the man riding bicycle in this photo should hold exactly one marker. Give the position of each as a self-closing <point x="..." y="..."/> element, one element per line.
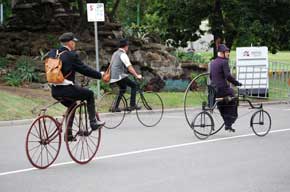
<point x="219" y="75"/>
<point x="120" y="68"/>
<point x="68" y="92"/>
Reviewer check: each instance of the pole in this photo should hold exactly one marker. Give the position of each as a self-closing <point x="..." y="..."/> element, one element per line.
<point x="97" y="57"/>
<point x="138" y="13"/>
<point x="1" y="14"/>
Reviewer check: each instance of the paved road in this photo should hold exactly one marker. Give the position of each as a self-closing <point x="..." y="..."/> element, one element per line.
<point x="166" y="158"/>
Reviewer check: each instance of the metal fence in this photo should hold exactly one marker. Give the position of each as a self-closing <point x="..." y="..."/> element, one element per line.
<point x="261" y="82"/>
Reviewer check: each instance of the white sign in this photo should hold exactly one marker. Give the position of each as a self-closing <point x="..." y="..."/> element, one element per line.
<point x="252" y="69"/>
<point x="96" y="12"/>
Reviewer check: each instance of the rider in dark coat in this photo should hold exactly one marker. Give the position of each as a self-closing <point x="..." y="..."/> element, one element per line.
<point x="220" y="75"/>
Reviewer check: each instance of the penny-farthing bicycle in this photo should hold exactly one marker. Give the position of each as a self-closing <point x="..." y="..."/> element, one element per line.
<point x="208" y="120"/>
<point x="150" y="114"/>
<point x="44" y="137"/>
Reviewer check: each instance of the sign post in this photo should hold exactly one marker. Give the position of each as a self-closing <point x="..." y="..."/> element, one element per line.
<point x="1" y="14"/>
<point x="96" y="13"/>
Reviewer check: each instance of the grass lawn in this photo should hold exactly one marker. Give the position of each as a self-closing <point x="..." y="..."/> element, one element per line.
<point x="14" y="107"/>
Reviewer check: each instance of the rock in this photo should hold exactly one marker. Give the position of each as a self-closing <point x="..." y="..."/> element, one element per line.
<point x="10" y="57"/>
<point x="138" y="57"/>
<point x="153" y="56"/>
<point x="155" y="84"/>
<point x="152" y="46"/>
<point x="50" y="16"/>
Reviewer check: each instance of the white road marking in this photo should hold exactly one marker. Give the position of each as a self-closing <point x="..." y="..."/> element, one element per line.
<point x="144" y="151"/>
<point x="174" y="117"/>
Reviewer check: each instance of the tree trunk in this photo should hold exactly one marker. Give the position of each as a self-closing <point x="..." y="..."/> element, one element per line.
<point x="114" y="10"/>
<point x="217" y="25"/>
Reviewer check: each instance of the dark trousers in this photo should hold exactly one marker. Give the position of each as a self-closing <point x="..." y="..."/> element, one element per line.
<point x="69" y="94"/>
<point x="228" y="111"/>
<point x="122" y="84"/>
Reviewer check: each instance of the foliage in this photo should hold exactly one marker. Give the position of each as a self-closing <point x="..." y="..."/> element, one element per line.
<point x="13" y="79"/>
<point x="194" y="57"/>
<point x="3" y="62"/>
<point x="137" y="31"/>
<point x="179" y="20"/>
<point x="238" y="22"/>
<point x="52" y="39"/>
<point x="105" y="87"/>
<point x="23" y="73"/>
<point x="26" y="68"/>
<point x="264" y="23"/>
<point x="199" y="81"/>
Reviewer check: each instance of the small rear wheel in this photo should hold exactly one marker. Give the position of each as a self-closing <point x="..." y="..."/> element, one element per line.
<point x="261" y="123"/>
<point x="43" y="141"/>
<point x="202" y="125"/>
<point x="82" y="143"/>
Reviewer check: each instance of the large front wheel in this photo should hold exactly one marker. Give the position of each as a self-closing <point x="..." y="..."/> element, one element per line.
<point x="152" y="109"/>
<point x="43" y="141"/>
<point x="261" y="123"/>
<point x="82" y="143"/>
<point x="110" y="112"/>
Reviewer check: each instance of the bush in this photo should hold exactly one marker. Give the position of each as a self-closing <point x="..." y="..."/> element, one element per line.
<point x="202" y="81"/>
<point x="23" y="73"/>
<point x="3" y="62"/>
<point x="104" y="87"/>
<point x="26" y="68"/>
<point x="194" y="57"/>
<point x="13" y="79"/>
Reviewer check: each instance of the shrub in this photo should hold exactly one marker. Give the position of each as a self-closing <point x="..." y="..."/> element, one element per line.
<point x="200" y="81"/>
<point x="3" y="62"/>
<point x="26" y="68"/>
<point x="13" y="79"/>
<point x="24" y="72"/>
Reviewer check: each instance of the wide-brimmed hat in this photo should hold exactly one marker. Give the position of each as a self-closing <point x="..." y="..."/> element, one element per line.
<point x="69" y="36"/>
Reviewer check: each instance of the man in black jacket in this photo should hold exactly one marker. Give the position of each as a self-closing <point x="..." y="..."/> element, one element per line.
<point x="220" y="75"/>
<point x="67" y="92"/>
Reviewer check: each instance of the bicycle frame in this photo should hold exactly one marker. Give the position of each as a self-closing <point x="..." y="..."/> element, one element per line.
<point x="59" y="123"/>
<point x="228" y="98"/>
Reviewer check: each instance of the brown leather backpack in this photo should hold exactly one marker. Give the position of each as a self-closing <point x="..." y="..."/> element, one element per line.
<point x="107" y="75"/>
<point x="53" y="69"/>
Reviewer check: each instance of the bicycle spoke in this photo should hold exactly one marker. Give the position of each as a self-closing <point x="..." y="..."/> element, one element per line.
<point x="53" y="148"/>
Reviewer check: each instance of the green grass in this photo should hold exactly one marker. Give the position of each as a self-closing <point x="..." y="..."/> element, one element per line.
<point x="13" y="107"/>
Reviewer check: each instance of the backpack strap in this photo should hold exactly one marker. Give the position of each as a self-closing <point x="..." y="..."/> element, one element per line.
<point x="58" y="54"/>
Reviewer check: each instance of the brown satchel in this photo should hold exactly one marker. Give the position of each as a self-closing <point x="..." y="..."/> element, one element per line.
<point x="53" y="69"/>
<point x="107" y="75"/>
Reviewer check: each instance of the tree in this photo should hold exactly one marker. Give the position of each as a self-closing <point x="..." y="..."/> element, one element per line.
<point x="179" y="19"/>
<point x="263" y="23"/>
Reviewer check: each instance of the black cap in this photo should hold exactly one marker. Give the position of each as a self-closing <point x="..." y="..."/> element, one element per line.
<point x="65" y="37"/>
<point x="222" y="48"/>
<point x="123" y="42"/>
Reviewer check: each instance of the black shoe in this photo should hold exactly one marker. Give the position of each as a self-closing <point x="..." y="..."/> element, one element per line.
<point x="117" y="109"/>
<point x="229" y="129"/>
<point x="96" y="124"/>
<point x="70" y="138"/>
